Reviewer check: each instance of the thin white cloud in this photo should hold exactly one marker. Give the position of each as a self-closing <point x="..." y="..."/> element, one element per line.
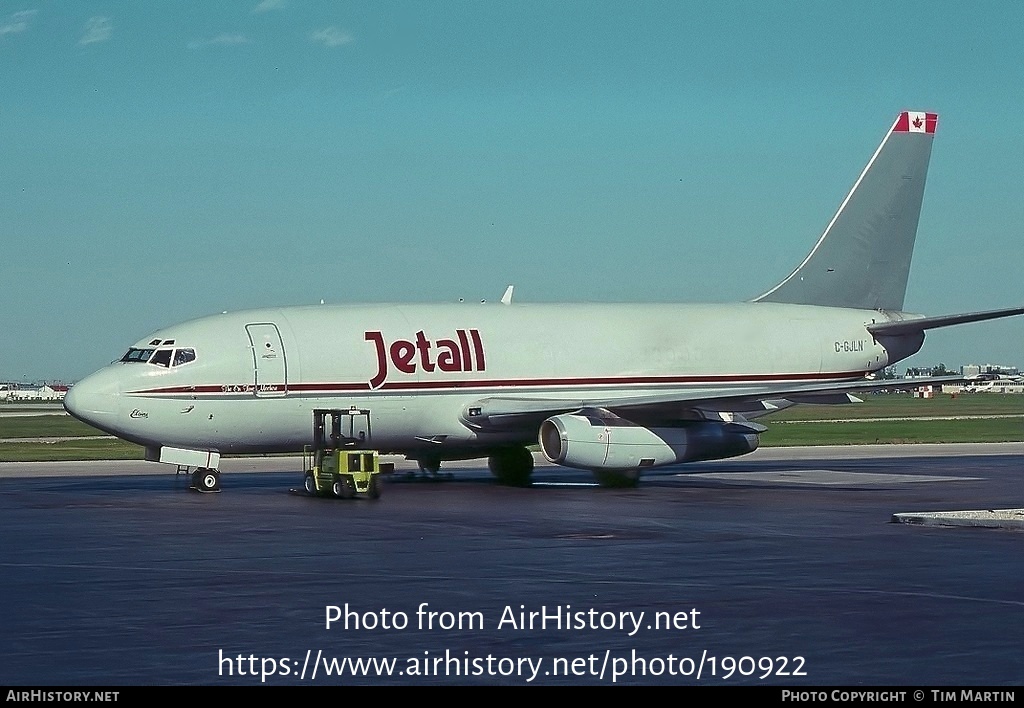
<point x="97" y="29"/>
<point x="17" y="22"/>
<point x="221" y="40"/>
<point x="330" y="36"/>
<point x="268" y="5"/>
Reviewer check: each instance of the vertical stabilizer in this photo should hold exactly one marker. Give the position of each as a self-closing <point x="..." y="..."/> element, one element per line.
<point x="863" y="259"/>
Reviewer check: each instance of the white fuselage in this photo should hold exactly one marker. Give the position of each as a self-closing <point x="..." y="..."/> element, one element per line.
<point x="257" y="375"/>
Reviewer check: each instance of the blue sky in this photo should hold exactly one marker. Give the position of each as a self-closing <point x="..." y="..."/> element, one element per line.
<point x="163" y="161"/>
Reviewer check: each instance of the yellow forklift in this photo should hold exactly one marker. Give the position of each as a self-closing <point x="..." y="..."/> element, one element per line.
<point x="337" y="464"/>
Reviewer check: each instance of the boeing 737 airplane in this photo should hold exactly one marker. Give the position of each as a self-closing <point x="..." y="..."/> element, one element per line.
<point x="611" y="388"/>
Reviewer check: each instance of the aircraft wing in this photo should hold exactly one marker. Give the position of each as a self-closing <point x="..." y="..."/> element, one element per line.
<point x="516" y="413"/>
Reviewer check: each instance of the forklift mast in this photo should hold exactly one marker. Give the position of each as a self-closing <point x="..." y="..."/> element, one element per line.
<point x="335" y="427"/>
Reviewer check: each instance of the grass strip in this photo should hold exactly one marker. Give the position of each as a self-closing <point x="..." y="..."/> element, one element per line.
<point x="70" y="450"/>
<point x="894" y="432"/>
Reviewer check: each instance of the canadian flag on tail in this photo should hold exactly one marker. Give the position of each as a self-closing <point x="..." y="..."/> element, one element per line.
<point x="916" y="122"/>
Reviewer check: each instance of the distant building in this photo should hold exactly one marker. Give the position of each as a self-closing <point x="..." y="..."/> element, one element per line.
<point x="987" y="386"/>
<point x="993" y="370"/>
<point x="11" y="392"/>
<point x="925" y="372"/>
<point x="988" y="378"/>
<point x="58" y="391"/>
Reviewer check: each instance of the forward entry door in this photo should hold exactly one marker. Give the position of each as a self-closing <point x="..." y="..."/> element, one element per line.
<point x="270" y="370"/>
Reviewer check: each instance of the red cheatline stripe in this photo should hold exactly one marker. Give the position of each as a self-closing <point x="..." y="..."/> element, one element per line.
<point x="441" y="386"/>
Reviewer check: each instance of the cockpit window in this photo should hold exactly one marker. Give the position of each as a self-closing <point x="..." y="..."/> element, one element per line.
<point x="184" y="356"/>
<point x="137" y="356"/>
<point x="161" y="358"/>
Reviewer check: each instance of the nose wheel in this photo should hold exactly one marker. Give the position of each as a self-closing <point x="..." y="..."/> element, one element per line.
<point x="206" y="480"/>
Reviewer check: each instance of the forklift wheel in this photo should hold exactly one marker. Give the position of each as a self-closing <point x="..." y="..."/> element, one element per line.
<point x="374" y="489"/>
<point x="343" y="488"/>
<point x="310" y="485"/>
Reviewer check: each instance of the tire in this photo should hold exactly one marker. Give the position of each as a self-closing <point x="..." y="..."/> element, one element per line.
<point x="343" y="488"/>
<point x="309" y="484"/>
<point x="206" y="480"/>
<point x="374" y="489"/>
<point x="429" y="467"/>
<point x="617" y="479"/>
<point x="512" y="466"/>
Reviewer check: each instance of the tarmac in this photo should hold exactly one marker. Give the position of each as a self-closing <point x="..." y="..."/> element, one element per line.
<point x="779" y="568"/>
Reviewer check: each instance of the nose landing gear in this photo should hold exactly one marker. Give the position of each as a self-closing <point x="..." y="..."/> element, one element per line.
<point x="206" y="480"/>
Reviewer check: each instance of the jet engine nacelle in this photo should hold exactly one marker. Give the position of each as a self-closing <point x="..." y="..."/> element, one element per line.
<point x="606" y="442"/>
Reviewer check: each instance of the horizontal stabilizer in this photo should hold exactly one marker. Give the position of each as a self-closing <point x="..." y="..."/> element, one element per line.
<point x="920" y="324"/>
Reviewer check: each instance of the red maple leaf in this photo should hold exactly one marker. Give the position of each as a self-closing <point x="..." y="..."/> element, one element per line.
<point x="918" y="122"/>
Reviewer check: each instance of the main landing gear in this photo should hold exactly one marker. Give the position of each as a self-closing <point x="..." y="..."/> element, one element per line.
<point x="428" y="470"/>
<point x="512" y="466"/>
<point x="206" y="480"/>
<point x="429" y="467"/>
<point x="617" y="479"/>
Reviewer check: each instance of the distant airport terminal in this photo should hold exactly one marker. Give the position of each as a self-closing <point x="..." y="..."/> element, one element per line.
<point x="12" y="392"/>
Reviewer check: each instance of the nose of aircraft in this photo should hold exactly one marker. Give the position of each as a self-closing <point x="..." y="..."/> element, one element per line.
<point x="95" y="400"/>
